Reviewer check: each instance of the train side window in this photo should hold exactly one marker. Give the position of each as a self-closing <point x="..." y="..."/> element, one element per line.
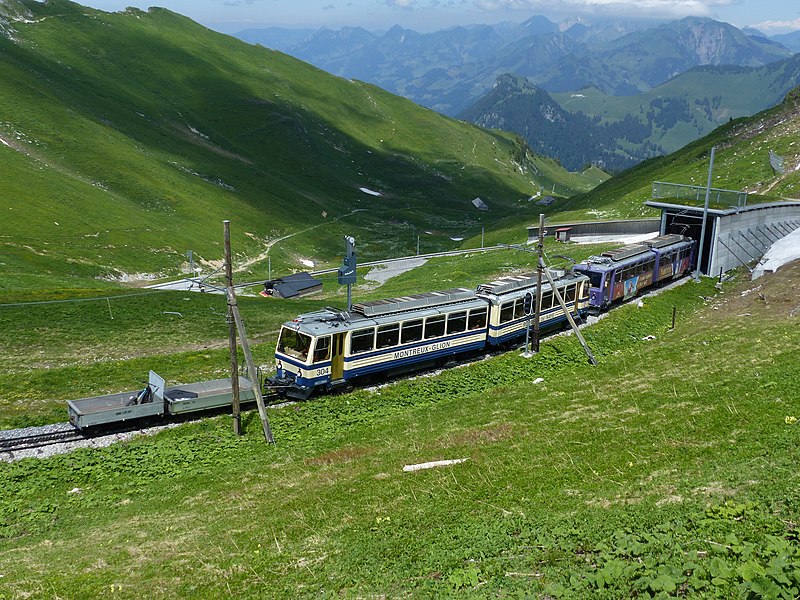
<point x="456" y="322"/>
<point x="362" y="340"/>
<point x="411" y="331"/>
<point x="477" y="318"/>
<point x="547" y="300"/>
<point x="506" y="312"/>
<point x="569" y="295"/>
<point x="322" y="349"/>
<point x="388" y="335"/>
<point x="519" y="308"/>
<point x="434" y="326"/>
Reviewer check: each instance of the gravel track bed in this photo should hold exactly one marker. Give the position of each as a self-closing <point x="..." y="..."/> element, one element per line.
<point x="99" y="441"/>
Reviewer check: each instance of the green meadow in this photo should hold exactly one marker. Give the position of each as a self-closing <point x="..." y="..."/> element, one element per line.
<point x="667" y="470"/>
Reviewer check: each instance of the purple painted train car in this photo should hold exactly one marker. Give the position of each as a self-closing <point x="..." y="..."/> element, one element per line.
<point x="620" y="274"/>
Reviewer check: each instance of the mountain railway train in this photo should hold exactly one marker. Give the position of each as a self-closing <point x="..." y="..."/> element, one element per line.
<point x="620" y="274"/>
<point x="329" y="349"/>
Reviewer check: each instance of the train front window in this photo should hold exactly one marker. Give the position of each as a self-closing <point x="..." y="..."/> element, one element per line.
<point x="595" y="278"/>
<point x="294" y="343"/>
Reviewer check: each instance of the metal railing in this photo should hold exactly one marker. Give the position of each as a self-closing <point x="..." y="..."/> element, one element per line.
<point x="695" y="194"/>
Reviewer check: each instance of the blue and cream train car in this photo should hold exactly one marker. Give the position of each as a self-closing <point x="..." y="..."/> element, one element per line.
<point x="506" y="296"/>
<point x="329" y="349"/>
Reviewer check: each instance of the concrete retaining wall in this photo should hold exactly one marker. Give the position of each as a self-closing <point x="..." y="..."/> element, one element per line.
<point x="621" y="227"/>
<point x="743" y="237"/>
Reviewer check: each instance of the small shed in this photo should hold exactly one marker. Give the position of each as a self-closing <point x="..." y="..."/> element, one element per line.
<point x="292" y="286"/>
<point x="563" y="233"/>
<point x="480" y="204"/>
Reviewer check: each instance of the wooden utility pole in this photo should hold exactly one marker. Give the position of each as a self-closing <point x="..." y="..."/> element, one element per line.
<point x="538" y="308"/>
<point x="252" y="373"/>
<point x="236" y="408"/>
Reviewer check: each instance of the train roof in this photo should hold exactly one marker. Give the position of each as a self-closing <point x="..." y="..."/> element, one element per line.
<point x="415" y="301"/>
<point x="633" y="253"/>
<point x="393" y="310"/>
<point x="509" y="284"/>
<point x="381" y="312"/>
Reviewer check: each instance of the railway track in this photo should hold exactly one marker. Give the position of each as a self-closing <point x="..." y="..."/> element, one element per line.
<point x="29" y="441"/>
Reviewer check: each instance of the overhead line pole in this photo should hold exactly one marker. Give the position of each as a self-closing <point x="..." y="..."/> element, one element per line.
<point x="572" y="324"/>
<point x="232" y="346"/>
<point x="705" y="215"/>
<point x="252" y="372"/>
<point x="561" y="302"/>
<point x="539" y="265"/>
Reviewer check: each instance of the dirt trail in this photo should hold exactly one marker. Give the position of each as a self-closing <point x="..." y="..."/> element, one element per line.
<point x="263" y="255"/>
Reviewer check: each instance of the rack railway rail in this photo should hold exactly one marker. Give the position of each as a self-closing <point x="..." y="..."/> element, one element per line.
<point x="30" y="441"/>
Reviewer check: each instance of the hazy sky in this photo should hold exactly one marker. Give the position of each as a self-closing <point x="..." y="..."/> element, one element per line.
<point x="229" y="16"/>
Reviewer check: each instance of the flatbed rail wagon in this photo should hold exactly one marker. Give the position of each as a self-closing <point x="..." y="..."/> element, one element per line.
<point x="156" y="400"/>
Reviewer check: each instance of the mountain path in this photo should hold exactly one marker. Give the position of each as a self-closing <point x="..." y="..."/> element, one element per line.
<point x="263" y="255"/>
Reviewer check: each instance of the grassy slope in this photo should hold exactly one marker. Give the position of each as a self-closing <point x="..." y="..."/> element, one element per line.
<point x="130" y="136"/>
<point x="669" y="468"/>
<point x="741" y="163"/>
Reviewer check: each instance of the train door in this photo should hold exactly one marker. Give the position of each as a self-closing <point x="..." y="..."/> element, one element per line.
<point x="337" y="356"/>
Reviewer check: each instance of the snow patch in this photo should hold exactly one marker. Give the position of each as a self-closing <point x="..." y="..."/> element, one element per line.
<point x="781" y="252"/>
<point x="369" y="191"/>
<point x="194" y="131"/>
<point x="307" y="263"/>
<point x="622" y="239"/>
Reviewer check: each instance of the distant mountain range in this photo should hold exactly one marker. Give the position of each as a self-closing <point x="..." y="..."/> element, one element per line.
<point x="610" y="94"/>
<point x="744" y="148"/>
<point x="449" y="69"/>
<point x="515" y="104"/>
